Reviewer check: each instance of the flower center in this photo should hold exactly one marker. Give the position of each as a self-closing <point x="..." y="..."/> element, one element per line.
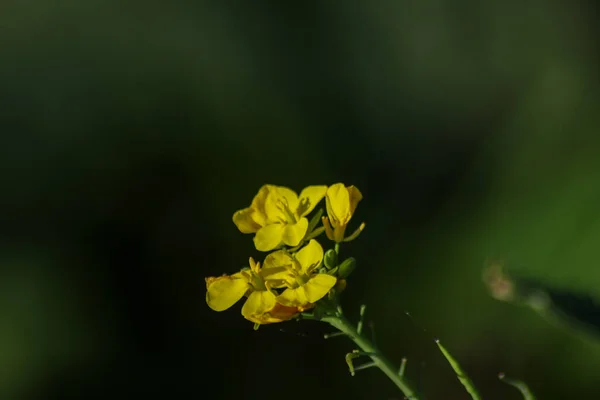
<point x="301" y="279"/>
<point x="296" y="278"/>
<point x="284" y="207"/>
<point x="257" y="282"/>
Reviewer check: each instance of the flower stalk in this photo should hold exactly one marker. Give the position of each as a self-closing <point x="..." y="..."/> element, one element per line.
<point x="298" y="279"/>
<point x="366" y="346"/>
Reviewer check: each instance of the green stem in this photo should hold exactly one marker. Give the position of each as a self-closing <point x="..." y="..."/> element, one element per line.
<point x="343" y="325"/>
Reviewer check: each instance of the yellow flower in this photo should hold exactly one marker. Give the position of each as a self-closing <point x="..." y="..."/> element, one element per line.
<point x="304" y="287"/>
<point x="260" y="307"/>
<point x="278" y="215"/>
<point x="341" y="202"/>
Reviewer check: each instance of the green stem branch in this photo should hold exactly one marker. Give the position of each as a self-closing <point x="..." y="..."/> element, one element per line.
<point x="343" y="325"/>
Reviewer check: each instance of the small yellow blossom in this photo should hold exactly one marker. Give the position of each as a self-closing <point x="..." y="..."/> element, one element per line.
<point x="260" y="306"/>
<point x="278" y="215"/>
<point x="341" y="202"/>
<point x="296" y="272"/>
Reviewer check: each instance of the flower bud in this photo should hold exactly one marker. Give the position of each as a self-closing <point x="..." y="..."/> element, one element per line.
<point x="346" y="267"/>
<point x="330" y="259"/>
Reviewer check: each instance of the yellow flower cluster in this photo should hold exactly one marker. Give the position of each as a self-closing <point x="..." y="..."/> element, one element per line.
<point x="291" y="279"/>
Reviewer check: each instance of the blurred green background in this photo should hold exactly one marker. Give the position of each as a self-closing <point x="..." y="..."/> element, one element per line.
<point x="132" y="131"/>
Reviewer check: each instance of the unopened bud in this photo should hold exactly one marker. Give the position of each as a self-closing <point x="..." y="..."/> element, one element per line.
<point x="346" y="268"/>
<point x="330" y="259"/>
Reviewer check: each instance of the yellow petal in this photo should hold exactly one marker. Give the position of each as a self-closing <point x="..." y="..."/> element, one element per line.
<point x="268" y="237"/>
<point x="279" y="258"/>
<point x="276" y="268"/>
<point x="288" y="196"/>
<point x="282" y="312"/>
<point x="258" y="204"/>
<point x="309" y="198"/>
<point x="355" y="197"/>
<point x="318" y="286"/>
<point x="310" y="256"/>
<point x="280" y="204"/>
<point x="250" y="219"/>
<point x="259" y="200"/>
<point x="294" y="233"/>
<point x="244" y="220"/>
<point x="279" y="313"/>
<point x="259" y="302"/>
<point x="224" y="291"/>
<point x="293" y="297"/>
<point x="338" y="204"/>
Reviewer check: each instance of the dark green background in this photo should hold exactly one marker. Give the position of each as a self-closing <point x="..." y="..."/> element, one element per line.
<point x="131" y="132"/>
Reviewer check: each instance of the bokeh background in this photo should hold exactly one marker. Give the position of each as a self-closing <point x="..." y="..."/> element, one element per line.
<point x="131" y="132"/>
